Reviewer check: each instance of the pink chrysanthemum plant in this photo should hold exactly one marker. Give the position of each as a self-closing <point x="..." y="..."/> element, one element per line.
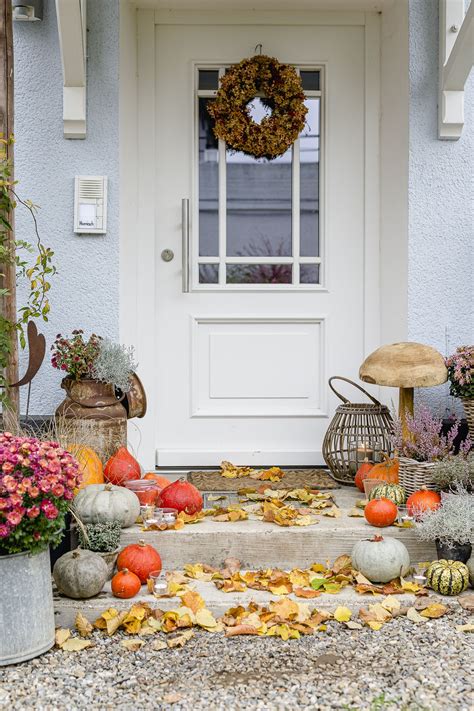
<point x="460" y="367"/>
<point x="37" y="482"/>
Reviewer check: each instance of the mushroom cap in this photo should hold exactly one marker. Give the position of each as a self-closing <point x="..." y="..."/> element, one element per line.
<point x="404" y="365"/>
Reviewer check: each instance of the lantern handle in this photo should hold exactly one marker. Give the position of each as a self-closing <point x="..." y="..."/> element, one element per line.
<point x="351" y="382"/>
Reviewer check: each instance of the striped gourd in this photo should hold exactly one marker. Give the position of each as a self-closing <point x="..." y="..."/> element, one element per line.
<point x="448" y="577"/>
<point x="394" y="492"/>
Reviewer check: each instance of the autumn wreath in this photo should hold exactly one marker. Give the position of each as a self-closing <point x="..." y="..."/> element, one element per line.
<point x="281" y="88"/>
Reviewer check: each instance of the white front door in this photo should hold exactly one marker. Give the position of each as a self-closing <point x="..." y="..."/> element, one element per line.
<point x="275" y="303"/>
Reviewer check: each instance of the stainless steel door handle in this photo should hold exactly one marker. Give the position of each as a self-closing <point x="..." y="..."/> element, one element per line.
<point x="185" y="245"/>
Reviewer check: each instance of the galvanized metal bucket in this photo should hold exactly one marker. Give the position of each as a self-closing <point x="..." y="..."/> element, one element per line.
<point x="26" y="607"/>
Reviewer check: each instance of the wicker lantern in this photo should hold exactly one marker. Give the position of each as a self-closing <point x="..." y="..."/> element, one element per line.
<point x="357" y="431"/>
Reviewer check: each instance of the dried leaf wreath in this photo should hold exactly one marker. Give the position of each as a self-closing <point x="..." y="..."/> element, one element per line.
<point x="281" y="86"/>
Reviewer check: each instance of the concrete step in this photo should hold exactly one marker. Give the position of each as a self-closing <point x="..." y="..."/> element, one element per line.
<point x="219" y="602"/>
<point x="258" y="544"/>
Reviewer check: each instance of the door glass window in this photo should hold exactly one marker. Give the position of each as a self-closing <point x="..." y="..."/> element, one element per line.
<point x="258" y="220"/>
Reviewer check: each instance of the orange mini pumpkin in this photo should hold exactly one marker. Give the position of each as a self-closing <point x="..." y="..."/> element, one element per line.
<point x="421" y="501"/>
<point x="122" y="467"/>
<point x="386" y="470"/>
<point x="90" y="465"/>
<point x="140" y="558"/>
<point x="362" y="473"/>
<point x="381" y="512"/>
<point x="162" y="481"/>
<point x="125" y="584"/>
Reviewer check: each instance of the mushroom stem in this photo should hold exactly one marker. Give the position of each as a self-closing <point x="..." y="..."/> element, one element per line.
<point x="405" y="406"/>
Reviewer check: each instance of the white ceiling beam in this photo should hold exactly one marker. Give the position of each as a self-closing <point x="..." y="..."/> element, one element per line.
<point x="456" y="58"/>
<point x="71" y="16"/>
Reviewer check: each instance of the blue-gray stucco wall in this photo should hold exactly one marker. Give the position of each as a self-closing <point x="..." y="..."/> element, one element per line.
<point x="85" y="293"/>
<point x="441" y="225"/>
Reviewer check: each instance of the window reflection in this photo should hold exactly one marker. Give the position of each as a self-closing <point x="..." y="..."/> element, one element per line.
<point x="259" y="274"/>
<point x="208" y="184"/>
<point x="309" y="181"/>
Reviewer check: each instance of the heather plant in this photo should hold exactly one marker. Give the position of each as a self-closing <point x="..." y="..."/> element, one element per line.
<point x="454" y="469"/>
<point x="114" y="364"/>
<point x="37" y="482"/>
<point x="452" y="522"/>
<point x="100" y="537"/>
<point x="74" y="355"/>
<point x="425" y="441"/>
<point x="460" y="367"/>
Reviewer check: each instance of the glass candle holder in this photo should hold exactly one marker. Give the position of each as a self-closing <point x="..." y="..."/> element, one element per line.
<point x="370" y="484"/>
<point x="156" y="583"/>
<point x="147" y="515"/>
<point x="145" y="489"/>
<point x="166" y="515"/>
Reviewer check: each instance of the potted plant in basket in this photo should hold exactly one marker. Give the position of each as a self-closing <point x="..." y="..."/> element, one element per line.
<point x="37" y="482"/>
<point x="422" y="446"/>
<point x="460" y="367"/>
<point x="451" y="525"/>
<point x="96" y="371"/>
<point x="102" y="538"/>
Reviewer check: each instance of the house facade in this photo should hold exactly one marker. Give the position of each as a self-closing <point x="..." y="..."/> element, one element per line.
<point x="245" y="284"/>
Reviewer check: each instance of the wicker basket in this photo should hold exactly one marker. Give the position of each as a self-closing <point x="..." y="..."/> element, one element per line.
<point x="356" y="430"/>
<point x="468" y="404"/>
<point x="413" y="475"/>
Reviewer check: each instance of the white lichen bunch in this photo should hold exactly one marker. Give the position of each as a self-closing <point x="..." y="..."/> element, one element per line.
<point x="115" y="364"/>
<point x="452" y="522"/>
<point x="453" y="470"/>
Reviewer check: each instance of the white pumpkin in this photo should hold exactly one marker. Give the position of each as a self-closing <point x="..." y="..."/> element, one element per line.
<point x="98" y="503"/>
<point x="381" y="559"/>
<point x="470" y="565"/>
<point x="80" y="574"/>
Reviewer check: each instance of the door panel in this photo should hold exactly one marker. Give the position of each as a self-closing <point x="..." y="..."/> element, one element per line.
<point x="243" y="359"/>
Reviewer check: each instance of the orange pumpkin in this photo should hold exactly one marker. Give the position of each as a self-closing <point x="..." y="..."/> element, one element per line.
<point x="386" y="470"/>
<point x="422" y="500"/>
<point x="90" y="465"/>
<point x="362" y="473"/>
<point x="122" y="467"/>
<point x="140" y="558"/>
<point x="380" y="512"/>
<point x="162" y="481"/>
<point x="125" y="584"/>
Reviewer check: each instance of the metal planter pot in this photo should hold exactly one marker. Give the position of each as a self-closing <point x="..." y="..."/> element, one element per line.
<point x="26" y="607"/>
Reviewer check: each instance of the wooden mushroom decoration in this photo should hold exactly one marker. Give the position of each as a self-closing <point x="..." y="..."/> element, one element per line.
<point x="405" y="366"/>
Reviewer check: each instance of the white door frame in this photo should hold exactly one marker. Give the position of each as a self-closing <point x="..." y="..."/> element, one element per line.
<point x="138" y="178"/>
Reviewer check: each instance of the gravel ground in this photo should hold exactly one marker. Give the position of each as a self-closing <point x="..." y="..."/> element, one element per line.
<point x="403" y="666"/>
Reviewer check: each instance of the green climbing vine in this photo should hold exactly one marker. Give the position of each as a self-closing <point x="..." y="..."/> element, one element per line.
<point x="33" y="262"/>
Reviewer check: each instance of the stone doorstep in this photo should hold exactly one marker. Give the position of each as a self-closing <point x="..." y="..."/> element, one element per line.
<point x="258" y="544"/>
<point x="219" y="602"/>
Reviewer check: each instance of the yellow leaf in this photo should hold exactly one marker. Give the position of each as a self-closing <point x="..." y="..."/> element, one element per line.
<point x="83" y="625"/>
<point x="133" y="645"/>
<point x="159" y="645"/>
<point x="434" y="610"/>
<point x="110" y="613"/>
<point x="353" y="625"/>
<point x="342" y="614"/>
<point x="196" y="571"/>
<point x="132" y="626"/>
<point x="404" y="524"/>
<point x="374" y="625"/>
<point x="409" y="587"/>
<point x="304" y="521"/>
<point x="204" y="618"/>
<point x="390" y="603"/>
<point x="181" y="639"/>
<point x="415" y="616"/>
<point x="74" y="644"/>
<point x="334" y="512"/>
<point x="61" y="635"/>
<point x="192" y="600"/>
<point x="380" y="613"/>
<point x="469" y="627"/>
<point x="356" y="513"/>
<point x="279" y="589"/>
<point x="114" y="623"/>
